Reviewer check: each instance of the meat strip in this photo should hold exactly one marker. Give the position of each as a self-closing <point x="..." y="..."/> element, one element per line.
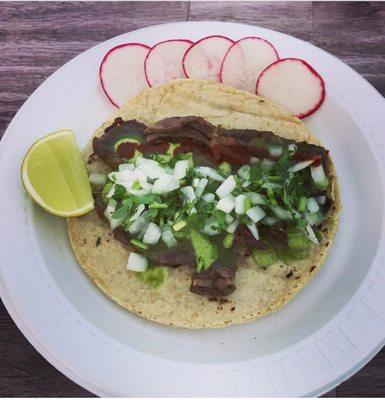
<point x="176" y="128"/>
<point x="217" y="281"/>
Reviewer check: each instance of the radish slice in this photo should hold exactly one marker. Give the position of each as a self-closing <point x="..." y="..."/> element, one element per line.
<point x="244" y="62"/>
<point x="204" y="58"/>
<point x="293" y="84"/>
<point x="121" y="72"/>
<point x="164" y="61"/>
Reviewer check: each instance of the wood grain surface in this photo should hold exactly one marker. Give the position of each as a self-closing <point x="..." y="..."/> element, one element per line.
<point x="36" y="38"/>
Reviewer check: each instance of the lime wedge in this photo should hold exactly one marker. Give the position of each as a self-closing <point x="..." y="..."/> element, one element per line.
<point x="54" y="175"/>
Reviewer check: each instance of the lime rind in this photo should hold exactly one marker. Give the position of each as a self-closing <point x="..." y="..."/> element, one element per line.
<point x="54" y="175"/>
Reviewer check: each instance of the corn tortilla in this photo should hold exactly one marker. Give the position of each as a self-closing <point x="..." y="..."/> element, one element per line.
<point x="259" y="292"/>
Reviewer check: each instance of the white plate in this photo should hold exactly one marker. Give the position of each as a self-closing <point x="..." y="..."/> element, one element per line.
<point x="320" y="338"/>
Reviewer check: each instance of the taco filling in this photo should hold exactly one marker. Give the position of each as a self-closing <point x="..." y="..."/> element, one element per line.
<point x="185" y="192"/>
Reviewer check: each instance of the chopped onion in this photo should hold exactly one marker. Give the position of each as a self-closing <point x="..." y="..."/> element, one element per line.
<point x="226" y="204"/>
<point x="164" y="184"/>
<point x="110" y="209"/>
<point x="244" y="172"/>
<point x="231" y="228"/>
<point x="311" y="235"/>
<point x="209" y="172"/>
<point x="312" y="205"/>
<point x="141" y="177"/>
<point x="152" y="234"/>
<point x="97" y="180"/>
<point x="168" y="238"/>
<point x="188" y="193"/>
<point x="314" y="219"/>
<point x="255" y="213"/>
<point x="112" y="176"/>
<point x="208" y="197"/>
<point x="124" y="167"/>
<point x="246" y="183"/>
<point x="275" y="151"/>
<point x="142" y="232"/>
<point x="271" y="185"/>
<point x="201" y="186"/>
<point x="211" y="227"/>
<point x="254" y="230"/>
<point x="226" y="187"/>
<point x="292" y="148"/>
<point x="137" y="262"/>
<point x="270" y="220"/>
<point x="180" y="170"/>
<point x="150" y="167"/>
<point x="229" y="219"/>
<point x="254" y="160"/>
<point x="125" y="176"/>
<point x="319" y="177"/>
<point x="301" y="165"/>
<point x="111" y="192"/>
<point x="193" y="211"/>
<point x="267" y="164"/>
<point x="296" y="213"/>
<point x="114" y="223"/>
<point x="240" y="208"/>
<point x="321" y="200"/>
<point x="137" y="213"/>
<point x="127" y="185"/>
<point x="138" y="225"/>
<point x="281" y="213"/>
<point x="256" y="198"/>
<point x="196" y="182"/>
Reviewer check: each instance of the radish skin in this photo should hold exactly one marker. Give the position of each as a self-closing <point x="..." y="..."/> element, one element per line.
<point x="164" y="61"/>
<point x="293" y="84"/>
<point x="245" y="60"/>
<point x="121" y="72"/>
<point x="204" y="58"/>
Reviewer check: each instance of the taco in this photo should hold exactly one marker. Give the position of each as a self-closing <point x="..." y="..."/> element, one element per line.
<point x="224" y="202"/>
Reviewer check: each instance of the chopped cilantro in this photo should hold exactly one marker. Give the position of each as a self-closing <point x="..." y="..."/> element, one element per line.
<point x="146" y="198"/>
<point x="270" y="185"/>
<point x="152" y="213"/>
<point x="205" y="251"/>
<point x="123" y="210"/>
<point x="281" y="167"/>
<point x="162" y="158"/>
<point x="220" y="218"/>
<point x="120" y="192"/>
<point x="256" y="173"/>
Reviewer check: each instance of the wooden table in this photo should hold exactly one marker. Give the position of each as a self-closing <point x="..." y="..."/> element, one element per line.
<point x="37" y="38"/>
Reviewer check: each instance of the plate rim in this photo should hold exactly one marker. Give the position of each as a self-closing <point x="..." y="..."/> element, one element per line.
<point x="7" y="299"/>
